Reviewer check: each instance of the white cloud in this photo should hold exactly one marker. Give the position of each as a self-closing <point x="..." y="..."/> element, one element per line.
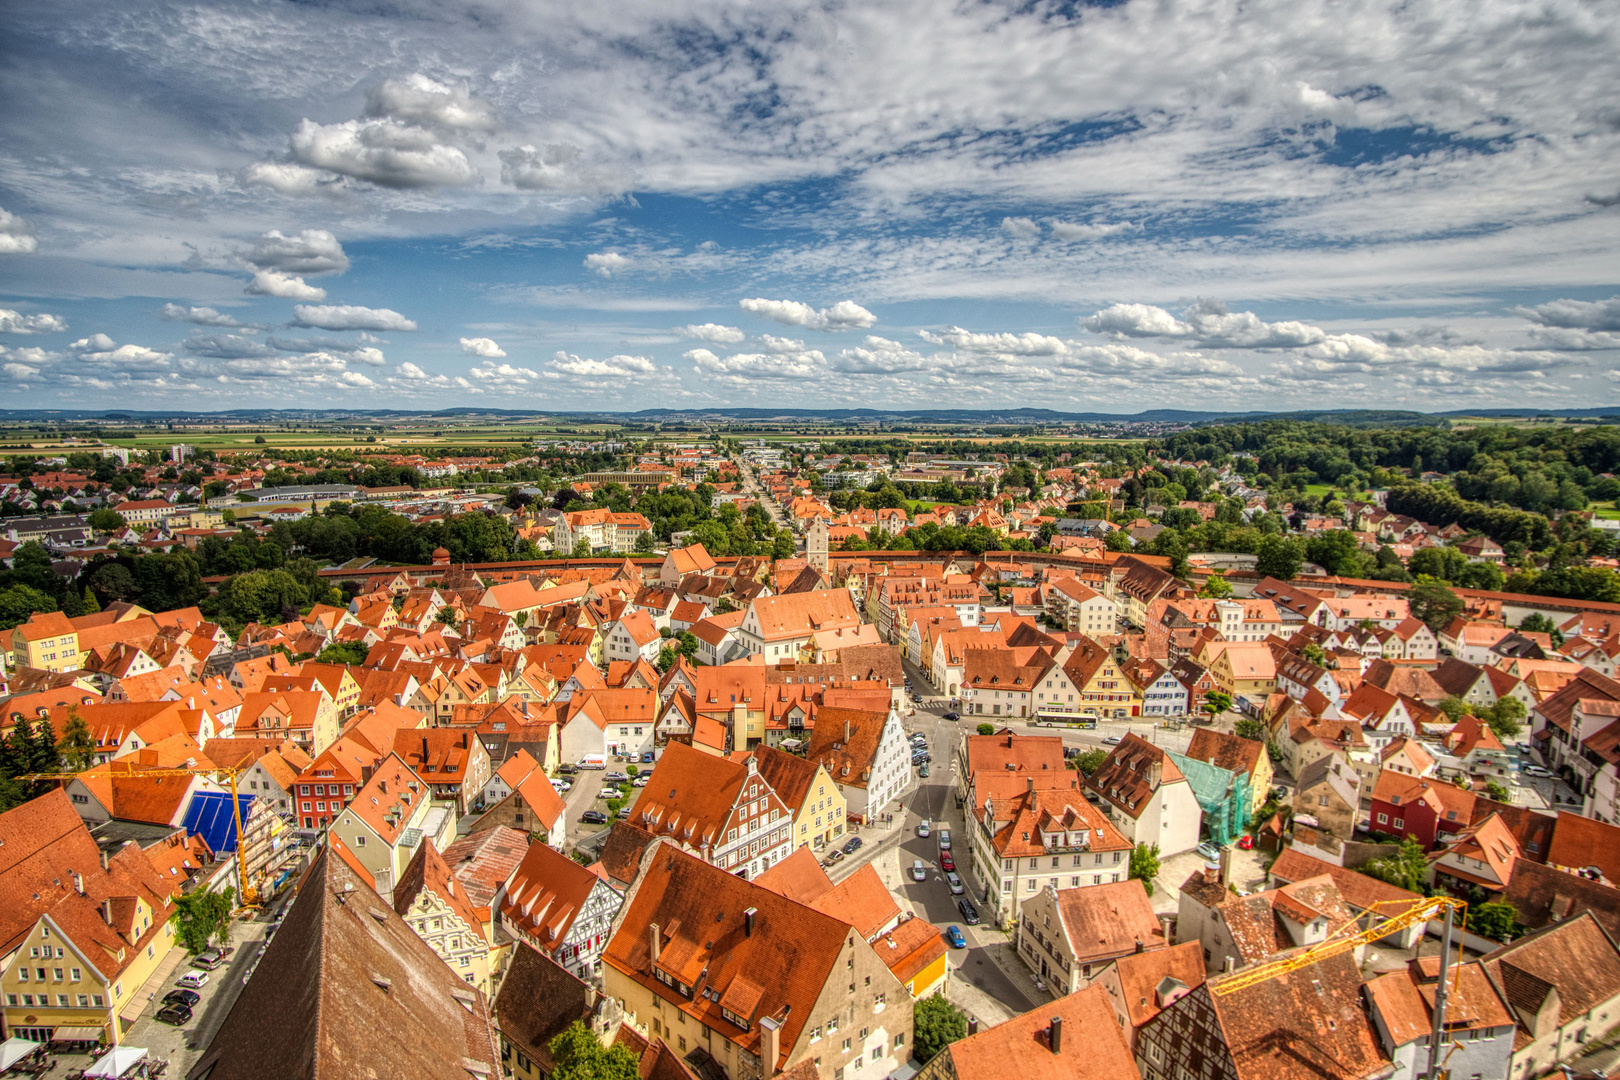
<point x="383" y="152"/>
<point x="16" y="238"/>
<point x="418" y="99"/>
<point x="413" y="379"/>
<point x="1071" y="230"/>
<point x="844" y="315"/>
<point x="289" y="178"/>
<point x="285" y="286"/>
<point x="606" y="263"/>
<point x="225" y="346"/>
<point x="556" y="167"/>
<point x="504" y="377"/>
<point x="15" y="322"/>
<point x="1577" y="314"/>
<point x="350" y="317"/>
<point x="879" y="356"/>
<point x="368" y="355"/>
<point x="482" y="346"/>
<point x="309" y="251"/>
<point x="125" y="356"/>
<point x="1021" y="228"/>
<point x="1025" y="344"/>
<point x="18" y="372"/>
<point x="714" y="332"/>
<point x="1208" y="322"/>
<point x="740" y="368"/>
<point x="197" y="316"/>
<point x="623" y="367"/>
<point x="94" y="343"/>
<point x="1563" y="339"/>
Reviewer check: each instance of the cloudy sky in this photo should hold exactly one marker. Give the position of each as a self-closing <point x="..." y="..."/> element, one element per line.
<point x="1198" y="204"/>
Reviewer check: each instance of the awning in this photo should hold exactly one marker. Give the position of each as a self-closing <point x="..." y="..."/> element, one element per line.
<point x="116" y="1062"/>
<point x="78" y="1034"/>
<point x="14" y="1050"/>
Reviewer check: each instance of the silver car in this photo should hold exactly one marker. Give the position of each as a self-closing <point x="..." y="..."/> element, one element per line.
<point x="922" y="829"/>
<point x="955" y="882"/>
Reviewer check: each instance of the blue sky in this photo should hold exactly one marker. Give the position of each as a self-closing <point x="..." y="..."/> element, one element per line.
<point x="1272" y="204"/>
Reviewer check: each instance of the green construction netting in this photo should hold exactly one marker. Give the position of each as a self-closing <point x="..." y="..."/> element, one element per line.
<point x="1222" y="795"/>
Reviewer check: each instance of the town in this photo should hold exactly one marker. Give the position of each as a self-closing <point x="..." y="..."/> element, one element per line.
<point x="1255" y="750"/>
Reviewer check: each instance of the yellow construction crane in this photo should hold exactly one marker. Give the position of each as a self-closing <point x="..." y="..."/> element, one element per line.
<point x="119" y="770"/>
<point x="1379" y="926"/>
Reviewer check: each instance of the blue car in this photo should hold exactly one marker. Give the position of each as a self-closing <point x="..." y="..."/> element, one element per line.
<point x="954" y="936"/>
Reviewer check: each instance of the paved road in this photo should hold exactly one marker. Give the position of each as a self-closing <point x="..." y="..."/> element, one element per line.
<point x="750" y="485"/>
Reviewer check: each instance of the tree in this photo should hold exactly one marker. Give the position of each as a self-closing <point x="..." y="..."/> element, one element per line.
<point x="18" y="602"/>
<point x="1455" y="708"/>
<point x="105" y="520"/>
<point x="1432" y="602"/>
<point x="687" y="644"/>
<point x="1404" y="868"/>
<point x="986" y="729"/>
<point x="666" y="659"/>
<point x="1145" y="865"/>
<point x="1279" y="557"/>
<point x="201" y="917"/>
<point x="1537" y="623"/>
<point x="580" y="1055"/>
<point x="1216" y="588"/>
<point x="582" y="549"/>
<point x="1505" y="718"/>
<point x="1496" y="791"/>
<point x="1249" y="728"/>
<point x="1495" y="920"/>
<point x="76" y="749"/>
<point x="1089" y="761"/>
<point x="935" y="1023"/>
<point x="345" y="652"/>
<point x="1217" y="702"/>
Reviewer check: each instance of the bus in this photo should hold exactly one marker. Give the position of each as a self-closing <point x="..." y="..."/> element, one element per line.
<point x="1047" y="717"/>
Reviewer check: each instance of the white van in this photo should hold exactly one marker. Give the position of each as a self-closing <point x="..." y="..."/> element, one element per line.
<point x="593" y="761"/>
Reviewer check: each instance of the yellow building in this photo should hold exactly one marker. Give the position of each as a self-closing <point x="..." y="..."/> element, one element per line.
<point x="47" y="641"/>
<point x="82" y="939"/>
<point x="809" y="793"/>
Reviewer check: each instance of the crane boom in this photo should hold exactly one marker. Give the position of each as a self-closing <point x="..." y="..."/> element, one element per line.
<point x="1419" y="911"/>
<point x="229" y="772"/>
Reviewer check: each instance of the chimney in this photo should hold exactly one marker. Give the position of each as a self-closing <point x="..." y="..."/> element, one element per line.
<point x="1140" y="948"/>
<point x="847" y="732"/>
<point x="1229" y="964"/>
<point x="657" y="944"/>
<point x="1054" y="1035"/>
<point x="424" y="750"/>
<point x="590" y="998"/>
<point x="1212" y="873"/>
<point x="770" y="1044"/>
<point x="1029" y="784"/>
<point x="106" y="912"/>
<point x="78" y="882"/>
<point x="748" y="921"/>
<point x="973" y="1025"/>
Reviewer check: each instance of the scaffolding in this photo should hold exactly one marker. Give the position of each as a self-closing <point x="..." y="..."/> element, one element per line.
<point x="1222" y="795"/>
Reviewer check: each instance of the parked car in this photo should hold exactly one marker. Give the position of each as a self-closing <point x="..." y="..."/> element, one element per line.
<point x="944" y="839"/>
<point x="647" y="757"/>
<point x="955" y="882"/>
<point x="1246" y="842"/>
<point x="1208" y="850"/>
<point x="209" y="959"/>
<point x="624" y="812"/>
<point x="851" y="844"/>
<point x="193" y="980"/>
<point x="609" y="792"/>
<point x="953" y="934"/>
<point x="188" y="998"/>
<point x="593" y="817"/>
<point x="567" y="770"/>
<point x="617" y="778"/>
<point x="1537" y="770"/>
<point x="1112" y="740"/>
<point x="918" y="759"/>
<point x="919" y="872"/>
<point x="562" y="786"/>
<point x="641" y="781"/>
<point x="923" y="770"/>
<point x="832" y="856"/>
<point x="922" y="828"/>
<point x="952" y="715"/>
<point x="946" y="861"/>
<point x="970" y="914"/>
<point x="177" y="1015"/>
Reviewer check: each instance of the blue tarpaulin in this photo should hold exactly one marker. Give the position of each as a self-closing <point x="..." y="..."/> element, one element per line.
<point x="210" y="815"/>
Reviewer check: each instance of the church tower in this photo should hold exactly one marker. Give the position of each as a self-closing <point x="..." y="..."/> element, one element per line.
<point x="815" y="546"/>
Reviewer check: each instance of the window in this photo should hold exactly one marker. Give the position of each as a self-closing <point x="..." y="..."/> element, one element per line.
<point x="58" y="973"/>
<point x="95" y="999"/>
<point x="84" y="1001"/>
<point x="360" y="841"/>
<point x="900" y="1039"/>
<point x="1400" y="823"/>
<point x="1383" y="819"/>
<point x="846" y="1046"/>
<point x="11" y="999"/>
<point x="1029" y="886"/>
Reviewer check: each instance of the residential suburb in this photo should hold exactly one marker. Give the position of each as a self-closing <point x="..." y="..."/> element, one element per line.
<point x="1240" y="750"/>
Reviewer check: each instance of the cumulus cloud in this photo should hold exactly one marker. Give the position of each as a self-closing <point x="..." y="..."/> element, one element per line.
<point x="879" y="356"/>
<point x="844" y="315"/>
<point x="1577" y="314"/>
<point x="559" y="167"/>
<point x="565" y="363"/>
<point x="350" y="317"/>
<point x="197" y="316"/>
<point x="417" y="99"/>
<point x="1020" y="228"/>
<point x="1564" y="339"/>
<point x="1025" y="344"/>
<point x="713" y="332"/>
<point x="102" y="350"/>
<point x="412" y="379"/>
<point x="1208" y="322"/>
<point x="606" y="263"/>
<point x="16" y="238"/>
<point x="1072" y="230"/>
<point x="289" y="178"/>
<point x="504" y="376"/>
<point x="94" y="343"/>
<point x="18" y="372"/>
<point x="285" y="286"/>
<point x="482" y="346"/>
<point x="15" y="322"/>
<point x="740" y="368"/>
<point x="310" y="251"/>
<point x="224" y="346"/>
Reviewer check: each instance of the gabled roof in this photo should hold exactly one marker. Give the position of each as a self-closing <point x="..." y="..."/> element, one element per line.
<point x="845" y="743"/>
<point x="1360" y="891"/>
<point x="537" y="1001"/>
<point x="1574" y="956"/>
<point x="1131" y="774"/>
<point x="691" y="797"/>
<point x="1142" y="976"/>
<point x="428" y="872"/>
<point x="1091" y="1046"/>
<point x="1102" y="921"/>
<point x="1579" y="842"/>
<point x="483" y="861"/>
<point x="1308" y="1022"/>
<point x="1229" y="752"/>
<point x="547" y="892"/>
<point x="344" y="980"/>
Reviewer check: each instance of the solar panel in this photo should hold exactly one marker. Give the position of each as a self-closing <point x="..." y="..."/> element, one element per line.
<point x="209" y="816"/>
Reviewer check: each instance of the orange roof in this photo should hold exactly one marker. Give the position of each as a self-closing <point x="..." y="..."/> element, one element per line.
<point x="547" y="892"/>
<point x="427" y="871"/>
<point x="388" y="799"/>
<point x="910" y="947"/>
<point x="1142" y="975"/>
<point x="1092" y="1046"/>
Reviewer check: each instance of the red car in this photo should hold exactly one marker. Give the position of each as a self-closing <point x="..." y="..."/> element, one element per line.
<point x="946" y="862"/>
<point x="1246" y="842"/>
